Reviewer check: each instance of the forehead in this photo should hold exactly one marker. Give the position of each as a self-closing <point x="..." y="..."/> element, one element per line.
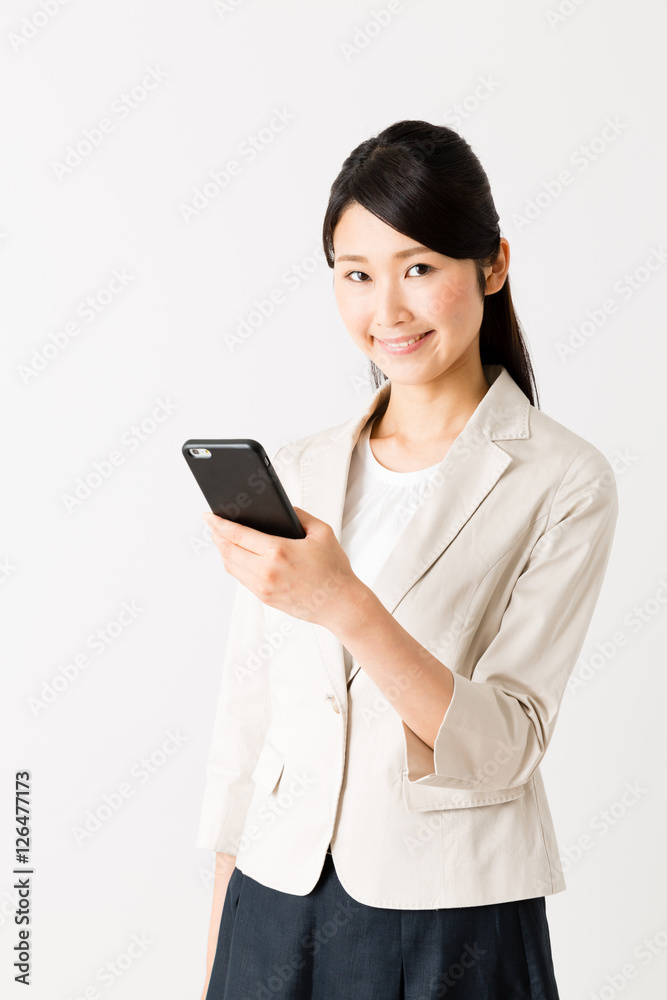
<point x="357" y="221"/>
<point x="360" y="233"/>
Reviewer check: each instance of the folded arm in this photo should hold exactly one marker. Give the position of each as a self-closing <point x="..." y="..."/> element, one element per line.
<point x="492" y="730"/>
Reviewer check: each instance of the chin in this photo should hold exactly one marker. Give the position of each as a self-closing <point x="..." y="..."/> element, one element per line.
<point x="408" y="378"/>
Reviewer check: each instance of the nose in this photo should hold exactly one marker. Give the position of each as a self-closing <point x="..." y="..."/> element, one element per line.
<point x="390" y="307"/>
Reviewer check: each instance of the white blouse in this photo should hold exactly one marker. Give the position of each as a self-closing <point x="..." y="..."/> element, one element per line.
<point x="378" y="504"/>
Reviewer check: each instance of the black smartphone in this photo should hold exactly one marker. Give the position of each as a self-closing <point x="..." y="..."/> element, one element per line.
<point x="239" y="483"/>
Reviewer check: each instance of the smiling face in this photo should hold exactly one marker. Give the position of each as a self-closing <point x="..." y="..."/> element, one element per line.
<point x="391" y="292"/>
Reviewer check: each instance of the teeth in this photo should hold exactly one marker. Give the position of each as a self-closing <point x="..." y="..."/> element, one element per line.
<point x="406" y="343"/>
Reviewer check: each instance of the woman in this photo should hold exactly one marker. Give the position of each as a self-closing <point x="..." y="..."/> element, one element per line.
<point x="392" y="681"/>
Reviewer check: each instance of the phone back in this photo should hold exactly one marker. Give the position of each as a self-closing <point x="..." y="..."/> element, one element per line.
<point x="238" y="481"/>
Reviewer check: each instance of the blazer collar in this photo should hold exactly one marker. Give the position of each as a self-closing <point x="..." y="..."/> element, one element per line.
<point x="467" y="473"/>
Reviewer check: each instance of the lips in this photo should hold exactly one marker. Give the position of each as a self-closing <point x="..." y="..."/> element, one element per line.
<point x="404" y="347"/>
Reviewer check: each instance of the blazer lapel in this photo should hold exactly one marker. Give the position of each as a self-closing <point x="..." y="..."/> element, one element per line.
<point x="469" y="470"/>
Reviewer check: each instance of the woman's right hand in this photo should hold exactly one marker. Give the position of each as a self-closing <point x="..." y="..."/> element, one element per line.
<point x="224" y="866"/>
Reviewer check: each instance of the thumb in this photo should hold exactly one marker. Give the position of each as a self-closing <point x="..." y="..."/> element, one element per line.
<point x="304" y="516"/>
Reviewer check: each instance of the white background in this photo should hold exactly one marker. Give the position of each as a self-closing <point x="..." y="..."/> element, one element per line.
<point x="555" y="80"/>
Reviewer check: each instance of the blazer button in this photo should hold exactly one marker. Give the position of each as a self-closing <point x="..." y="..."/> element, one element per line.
<point x="334" y="704"/>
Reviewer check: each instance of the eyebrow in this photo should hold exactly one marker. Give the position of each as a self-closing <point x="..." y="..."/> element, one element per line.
<point x="410" y="252"/>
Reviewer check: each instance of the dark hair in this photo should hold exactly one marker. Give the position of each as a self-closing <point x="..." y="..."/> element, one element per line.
<point x="425" y="181"/>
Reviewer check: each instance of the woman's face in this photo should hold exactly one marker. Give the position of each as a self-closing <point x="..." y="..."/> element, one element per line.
<point x="391" y="294"/>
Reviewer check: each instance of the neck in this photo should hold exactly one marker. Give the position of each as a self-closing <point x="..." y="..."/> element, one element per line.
<point x="431" y="412"/>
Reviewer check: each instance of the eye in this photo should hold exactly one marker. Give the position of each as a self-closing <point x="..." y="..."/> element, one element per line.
<point x="422" y="265"/>
<point x="359" y="282"/>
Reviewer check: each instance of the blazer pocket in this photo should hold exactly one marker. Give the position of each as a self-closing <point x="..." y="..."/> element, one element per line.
<point x="421" y="798"/>
<point x="268" y="768"/>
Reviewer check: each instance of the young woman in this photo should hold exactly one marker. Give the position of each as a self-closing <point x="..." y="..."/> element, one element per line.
<point x="392" y="681"/>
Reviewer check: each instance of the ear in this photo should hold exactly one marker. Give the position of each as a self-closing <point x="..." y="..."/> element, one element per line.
<point x="498" y="272"/>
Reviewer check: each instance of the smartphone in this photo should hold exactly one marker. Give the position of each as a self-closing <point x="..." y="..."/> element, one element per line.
<point x="239" y="483"/>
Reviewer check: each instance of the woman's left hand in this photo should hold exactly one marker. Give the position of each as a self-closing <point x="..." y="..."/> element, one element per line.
<point x="309" y="578"/>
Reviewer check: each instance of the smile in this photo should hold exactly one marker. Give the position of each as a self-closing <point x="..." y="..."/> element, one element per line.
<point x="404" y="346"/>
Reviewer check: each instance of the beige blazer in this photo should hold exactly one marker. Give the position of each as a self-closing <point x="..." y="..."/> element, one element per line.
<point x="497" y="574"/>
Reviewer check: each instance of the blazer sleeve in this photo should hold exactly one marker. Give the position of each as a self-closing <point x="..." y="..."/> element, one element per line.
<point x="241" y="723"/>
<point x="499" y="723"/>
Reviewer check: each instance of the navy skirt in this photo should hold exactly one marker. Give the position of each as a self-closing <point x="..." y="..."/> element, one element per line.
<point x="326" y="945"/>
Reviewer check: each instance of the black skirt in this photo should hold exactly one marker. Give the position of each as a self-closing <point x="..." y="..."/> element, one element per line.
<point x="326" y="945"/>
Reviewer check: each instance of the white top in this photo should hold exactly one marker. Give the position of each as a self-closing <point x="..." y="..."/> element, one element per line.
<point x="378" y="504"/>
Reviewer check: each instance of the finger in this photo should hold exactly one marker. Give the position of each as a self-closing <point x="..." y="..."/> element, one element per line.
<point x="241" y="563"/>
<point x="238" y="534"/>
<point x="304" y="516"/>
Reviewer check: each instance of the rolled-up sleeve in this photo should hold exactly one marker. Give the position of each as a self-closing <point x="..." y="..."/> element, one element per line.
<point x="499" y="722"/>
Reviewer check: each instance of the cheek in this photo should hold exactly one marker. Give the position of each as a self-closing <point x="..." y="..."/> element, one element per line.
<point x="455" y="302"/>
<point x="351" y="309"/>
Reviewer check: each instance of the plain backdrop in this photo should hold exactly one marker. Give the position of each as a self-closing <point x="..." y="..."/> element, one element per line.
<point x="135" y="314"/>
